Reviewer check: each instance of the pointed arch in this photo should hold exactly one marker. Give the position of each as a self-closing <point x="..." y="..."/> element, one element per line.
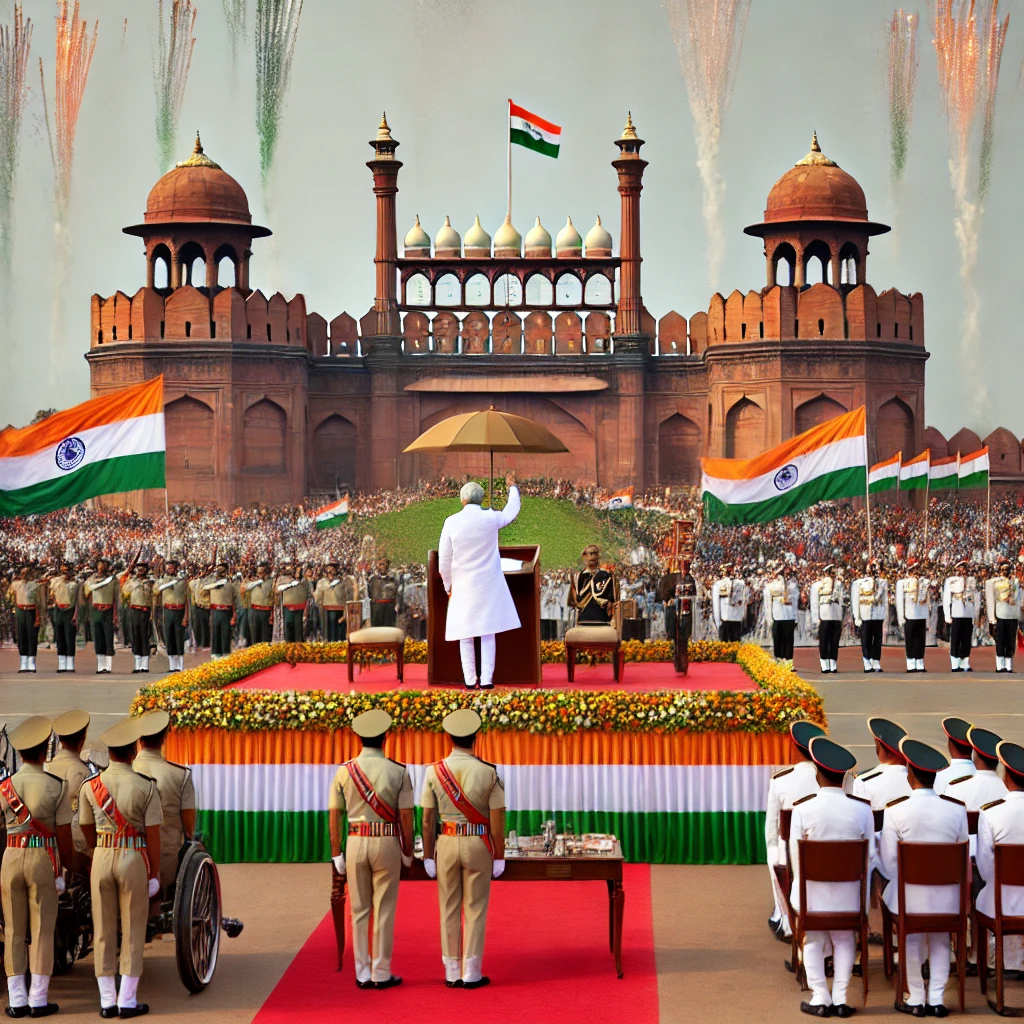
<point x="815" y="412"/>
<point x="894" y="430"/>
<point x="679" y="448"/>
<point x="264" y="439"/>
<point x="744" y="430"/>
<point x="334" y="455"/>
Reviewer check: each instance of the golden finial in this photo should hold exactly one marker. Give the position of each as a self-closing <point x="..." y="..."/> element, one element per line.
<point x="629" y="132"/>
<point x="198" y="147"/>
<point x="198" y="157"/>
<point x="815" y="157"/>
<point x="815" y="148"/>
<point x="384" y="132"/>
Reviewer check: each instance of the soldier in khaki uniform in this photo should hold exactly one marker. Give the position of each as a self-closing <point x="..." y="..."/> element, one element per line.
<point x="201" y="603"/>
<point x="30" y="607"/>
<point x="294" y="593"/>
<point x="120" y="816"/>
<point x="170" y="596"/>
<point x="138" y="594"/>
<point x="383" y="589"/>
<point x="467" y="796"/>
<point x="174" y="785"/>
<point x="100" y="589"/>
<point x="261" y="605"/>
<point x="375" y="794"/>
<point x="67" y="764"/>
<point x="221" y="594"/>
<point x="333" y="592"/>
<point x="35" y="810"/>
<point x="64" y="600"/>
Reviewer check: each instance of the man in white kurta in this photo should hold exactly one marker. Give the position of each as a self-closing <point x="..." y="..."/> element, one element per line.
<point x="480" y="604"/>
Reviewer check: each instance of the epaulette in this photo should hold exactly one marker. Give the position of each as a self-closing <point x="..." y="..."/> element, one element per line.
<point x="781" y="772"/>
<point x="488" y="763"/>
<point x="862" y="799"/>
<point x="148" y="777"/>
<point x="953" y="800"/>
<point x="399" y="763"/>
<point x="57" y="777"/>
<point x="898" y="800"/>
<point x="868" y="778"/>
<point x="174" y="764"/>
<point x="963" y="778"/>
<point x="993" y="803"/>
<point x="804" y="799"/>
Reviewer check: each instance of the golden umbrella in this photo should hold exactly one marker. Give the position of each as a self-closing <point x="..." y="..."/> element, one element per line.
<point x="487" y="431"/>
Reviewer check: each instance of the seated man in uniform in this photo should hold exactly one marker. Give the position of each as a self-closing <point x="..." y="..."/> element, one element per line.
<point x="593" y="592"/>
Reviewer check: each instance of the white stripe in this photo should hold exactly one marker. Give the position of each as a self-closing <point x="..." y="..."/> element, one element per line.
<point x="554" y="138"/>
<point x="916" y="470"/>
<point x="977" y="465"/>
<point x="846" y="453"/>
<point x="885" y="473"/>
<point x="942" y="472"/>
<point x="135" y="436"/>
<point x="620" y="788"/>
<point x="335" y="510"/>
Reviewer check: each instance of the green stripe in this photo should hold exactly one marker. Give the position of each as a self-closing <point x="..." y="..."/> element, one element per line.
<point x="914" y="483"/>
<point x="979" y="479"/>
<point x="521" y="138"/>
<point x="885" y="484"/>
<point x="108" y="476"/>
<point x="943" y="483"/>
<point x="326" y="524"/>
<point x="698" y="837"/>
<point x="842" y="483"/>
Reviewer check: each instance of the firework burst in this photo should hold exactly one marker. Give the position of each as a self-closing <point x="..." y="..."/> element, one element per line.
<point x="903" y="61"/>
<point x="277" y="27"/>
<point x="235" y="16"/>
<point x="170" y="73"/>
<point x="15" y="41"/>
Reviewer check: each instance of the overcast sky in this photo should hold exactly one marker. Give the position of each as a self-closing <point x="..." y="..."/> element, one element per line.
<point x="443" y="70"/>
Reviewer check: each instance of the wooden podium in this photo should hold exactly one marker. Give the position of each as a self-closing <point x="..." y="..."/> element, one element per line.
<point x="518" y="650"/>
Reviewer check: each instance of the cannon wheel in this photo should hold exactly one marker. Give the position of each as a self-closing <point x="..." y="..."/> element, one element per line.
<point x="197" y="910"/>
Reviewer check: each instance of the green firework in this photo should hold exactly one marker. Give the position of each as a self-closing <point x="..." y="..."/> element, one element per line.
<point x="277" y="27"/>
<point x="170" y="73"/>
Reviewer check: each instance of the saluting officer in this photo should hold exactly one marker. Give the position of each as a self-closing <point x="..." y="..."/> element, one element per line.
<point x="101" y="591"/>
<point x="30" y="607"/>
<point x="1002" y="607"/>
<point x="729" y="605"/>
<point x="888" y="779"/>
<point x="961" y="753"/>
<point x="467" y="796"/>
<point x="175" y="788"/>
<point x="827" y="615"/>
<point x="171" y="596"/>
<point x="261" y="605"/>
<point x="960" y="604"/>
<point x="221" y="593"/>
<point x="375" y="795"/>
<point x="294" y="593"/>
<point x="138" y="593"/>
<point x="912" y="596"/>
<point x="64" y="597"/>
<point x="121" y="817"/>
<point x="67" y="764"/>
<point x="781" y="600"/>
<point x="35" y="809"/>
<point x="333" y="592"/>
<point x="869" y="602"/>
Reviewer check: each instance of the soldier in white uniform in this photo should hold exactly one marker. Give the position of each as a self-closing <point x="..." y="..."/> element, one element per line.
<point x="869" y="602"/>
<point x="729" y="596"/>
<point x="960" y="604"/>
<point x="781" y="601"/>
<point x="922" y="817"/>
<point x="829" y="815"/>
<point x="1002" y="608"/>
<point x="961" y="753"/>
<point x="888" y="780"/>
<point x="912" y="612"/>
<point x="787" y="786"/>
<point x="827" y="615"/>
<point x="984" y="785"/>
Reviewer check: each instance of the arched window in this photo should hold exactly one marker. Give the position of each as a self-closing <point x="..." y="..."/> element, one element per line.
<point x="478" y="291"/>
<point x="223" y="279"/>
<point x="161" y="260"/>
<point x="417" y="290"/>
<point x="598" y="291"/>
<point x="334" y="454"/>
<point x="894" y="430"/>
<point x="817" y="263"/>
<point x="679" y="445"/>
<point x="784" y="262"/>
<point x="849" y="257"/>
<point x="539" y="291"/>
<point x="817" y="411"/>
<point x="447" y="291"/>
<point x="508" y="291"/>
<point x="192" y="260"/>
<point x="264" y="437"/>
<point x="744" y="430"/>
<point x="568" y="290"/>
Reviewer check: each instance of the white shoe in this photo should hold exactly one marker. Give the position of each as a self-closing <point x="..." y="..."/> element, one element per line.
<point x="39" y="990"/>
<point x="911" y="665"/>
<point x="834" y="665"/>
<point x="868" y="666"/>
<point x="23" y="664"/>
<point x="876" y="665"/>
<point x="31" y="664"/>
<point x="920" y="664"/>
<point x="145" y="663"/>
<point x="69" y="664"/>
<point x="61" y="662"/>
<point x="824" y="664"/>
<point x="452" y="969"/>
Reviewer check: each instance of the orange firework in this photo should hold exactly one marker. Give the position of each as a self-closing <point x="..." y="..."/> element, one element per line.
<point x="14" y="48"/>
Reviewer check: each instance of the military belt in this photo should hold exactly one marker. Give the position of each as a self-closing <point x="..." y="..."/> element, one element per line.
<point x="31" y="842"/>
<point x="222" y="607"/>
<point x="114" y="841"/>
<point x="26" y="607"/>
<point x="102" y="607"/>
<point x="372" y="828"/>
<point x="464" y="828"/>
<point x="263" y="607"/>
<point x="173" y="607"/>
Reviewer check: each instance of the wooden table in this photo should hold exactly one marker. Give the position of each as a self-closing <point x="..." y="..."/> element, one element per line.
<point x="606" y="867"/>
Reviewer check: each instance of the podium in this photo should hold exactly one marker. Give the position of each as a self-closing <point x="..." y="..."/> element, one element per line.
<point x="518" y="650"/>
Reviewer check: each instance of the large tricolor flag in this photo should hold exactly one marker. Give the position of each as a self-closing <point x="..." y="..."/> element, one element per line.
<point x="533" y="132"/>
<point x="914" y="472"/>
<point x="620" y="499"/>
<point x="885" y="476"/>
<point x="974" y="469"/>
<point x="111" y="444"/>
<point x="942" y="474"/>
<point x="331" y="515"/>
<point x="824" y="463"/>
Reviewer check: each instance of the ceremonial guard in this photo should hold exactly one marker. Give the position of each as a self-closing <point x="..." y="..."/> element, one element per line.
<point x="827" y="615"/>
<point x="30" y="607"/>
<point x="174" y="787"/>
<point x="1002" y="821"/>
<point x="221" y="593"/>
<point x="375" y="795"/>
<point x="666" y="595"/>
<point x="261" y="605"/>
<point x="786" y="787"/>
<point x="201" y="608"/>
<point x="1002" y="608"/>
<point x="67" y="764"/>
<point x="869" y="602"/>
<point x="976" y="789"/>
<point x="960" y="605"/>
<point x="922" y="817"/>
<point x="64" y="599"/>
<point x="781" y="601"/>
<point x="332" y="594"/>
<point x="383" y="588"/>
<point x="912" y="599"/>
<point x="593" y="592"/>
<point x="829" y="815"/>
<point x="120" y="815"/>
<point x="35" y="810"/>
<point x="463" y="800"/>
<point x="888" y="779"/>
<point x="138" y="592"/>
<point x="961" y="753"/>
<point x="294" y="594"/>
<point x="171" y="596"/>
<point x="101" y="591"/>
<point x="729" y="606"/>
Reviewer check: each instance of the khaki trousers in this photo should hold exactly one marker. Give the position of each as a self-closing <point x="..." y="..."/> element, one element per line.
<point x="463" y="890"/>
<point x="374" y="864"/>
<point x="30" y="905"/>
<point x="170" y="847"/>
<point x="119" y="887"/>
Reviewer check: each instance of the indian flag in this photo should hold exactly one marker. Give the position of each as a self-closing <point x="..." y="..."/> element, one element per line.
<point x="822" y="464"/>
<point x="943" y="473"/>
<point x="533" y="132"/>
<point x="974" y="469"/>
<point x="331" y="515"/>
<point x="885" y="476"/>
<point x="111" y="444"/>
<point x="620" y="499"/>
<point x="914" y="473"/>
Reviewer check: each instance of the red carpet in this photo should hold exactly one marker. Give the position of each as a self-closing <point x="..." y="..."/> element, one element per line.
<point x="642" y="676"/>
<point x="545" y="961"/>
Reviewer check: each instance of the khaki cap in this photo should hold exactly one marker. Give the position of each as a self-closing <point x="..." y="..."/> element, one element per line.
<point x="153" y="722"/>
<point x="371" y="723"/>
<point x="71" y="722"/>
<point x="31" y="733"/>
<point x="123" y="733"/>
<point x="461" y="723"/>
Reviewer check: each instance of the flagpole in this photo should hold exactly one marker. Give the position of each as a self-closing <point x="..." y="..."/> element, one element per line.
<point x="988" y="510"/>
<point x="927" y="488"/>
<point x="867" y="490"/>
<point x="508" y="209"/>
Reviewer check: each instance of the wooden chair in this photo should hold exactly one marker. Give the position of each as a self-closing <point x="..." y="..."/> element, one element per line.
<point x="1009" y="870"/>
<point x="932" y="864"/>
<point x="845" y="861"/>
<point x="784" y="875"/>
<point x="377" y="638"/>
<point x="594" y="638"/>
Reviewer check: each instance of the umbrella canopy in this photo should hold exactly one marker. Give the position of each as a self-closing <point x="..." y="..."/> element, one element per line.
<point x="487" y="431"/>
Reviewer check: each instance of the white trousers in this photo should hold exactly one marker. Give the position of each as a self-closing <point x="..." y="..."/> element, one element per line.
<point x="487" y="658"/>
<point x="933" y="947"/>
<point x="844" y="947"/>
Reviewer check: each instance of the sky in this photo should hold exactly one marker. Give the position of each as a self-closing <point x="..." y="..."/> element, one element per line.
<point x="443" y="70"/>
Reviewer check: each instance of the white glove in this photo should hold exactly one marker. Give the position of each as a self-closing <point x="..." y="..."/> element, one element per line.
<point x="153" y="888"/>
<point x="857" y="623"/>
<point x="339" y="863"/>
<point x="430" y="867"/>
<point x="498" y="868"/>
<point x="60" y="884"/>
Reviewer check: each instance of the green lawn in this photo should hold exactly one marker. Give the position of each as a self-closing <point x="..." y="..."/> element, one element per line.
<point x="561" y="529"/>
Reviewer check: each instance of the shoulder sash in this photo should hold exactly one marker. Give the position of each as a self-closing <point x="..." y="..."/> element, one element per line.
<point x="369" y="794"/>
<point x="465" y="806"/>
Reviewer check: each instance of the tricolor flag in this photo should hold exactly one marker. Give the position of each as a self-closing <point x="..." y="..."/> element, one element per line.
<point x="111" y="444"/>
<point x="620" y="499"/>
<point x="885" y="476"/>
<point x="943" y="473"/>
<point x="974" y="469"/>
<point x="533" y="132"/>
<point x="824" y="463"/>
<point x="331" y="515"/>
<point x="914" y="473"/>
